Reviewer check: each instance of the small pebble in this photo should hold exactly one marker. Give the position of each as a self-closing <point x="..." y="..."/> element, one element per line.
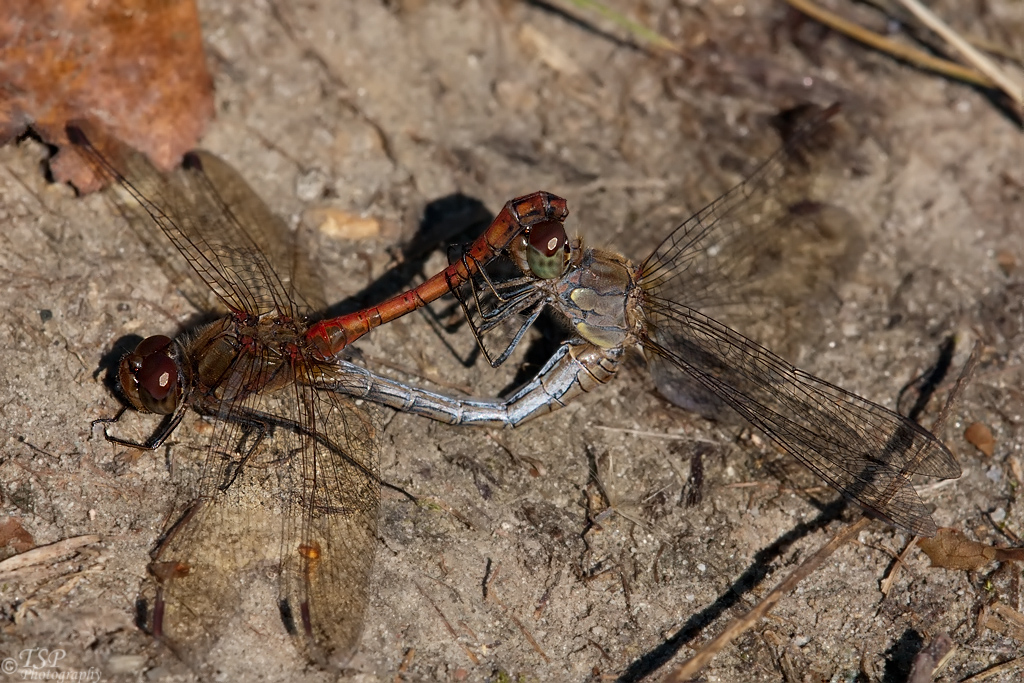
<point x="339" y="224"/>
<point x="125" y="664"/>
<point x="311" y="185"/>
<point x="980" y="436"/>
<point x="1006" y="261"/>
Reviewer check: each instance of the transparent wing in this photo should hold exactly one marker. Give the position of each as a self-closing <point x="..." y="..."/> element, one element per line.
<point x="284" y="526"/>
<point x="864" y="451"/>
<point x="210" y="573"/>
<point x="763" y="257"/>
<point x="332" y="532"/>
<point x="247" y="212"/>
<point x="238" y="248"/>
<point x="765" y="245"/>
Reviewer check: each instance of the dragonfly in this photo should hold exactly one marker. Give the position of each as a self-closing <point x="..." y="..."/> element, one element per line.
<point x="288" y="483"/>
<point x="662" y="305"/>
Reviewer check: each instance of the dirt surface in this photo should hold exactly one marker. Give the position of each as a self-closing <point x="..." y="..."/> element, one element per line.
<point x="380" y="110"/>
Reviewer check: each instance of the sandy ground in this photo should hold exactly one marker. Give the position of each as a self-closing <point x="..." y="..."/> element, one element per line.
<point x="383" y="109"/>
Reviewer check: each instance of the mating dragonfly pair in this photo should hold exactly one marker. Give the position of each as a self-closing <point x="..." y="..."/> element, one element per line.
<point x="288" y="483"/>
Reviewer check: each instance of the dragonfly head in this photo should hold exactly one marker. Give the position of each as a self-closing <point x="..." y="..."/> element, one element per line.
<point x="150" y="376"/>
<point x="547" y="249"/>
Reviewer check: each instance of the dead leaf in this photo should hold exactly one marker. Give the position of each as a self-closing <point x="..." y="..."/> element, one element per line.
<point x="13" y="537"/>
<point x="950" y="549"/>
<point x="137" y="66"/>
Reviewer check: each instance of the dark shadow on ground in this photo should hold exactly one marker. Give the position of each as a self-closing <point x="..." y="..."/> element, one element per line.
<point x="900" y="657"/>
<point x="453" y="219"/>
<point x="650" y="662"/>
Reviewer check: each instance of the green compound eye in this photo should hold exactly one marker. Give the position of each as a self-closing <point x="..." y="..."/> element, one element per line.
<point x="547" y="251"/>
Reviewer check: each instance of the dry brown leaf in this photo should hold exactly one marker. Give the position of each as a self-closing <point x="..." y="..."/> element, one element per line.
<point x="950" y="549"/>
<point x="137" y="66"/>
<point x="13" y="537"/>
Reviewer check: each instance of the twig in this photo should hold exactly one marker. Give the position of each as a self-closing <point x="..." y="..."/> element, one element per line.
<point x="428" y="501"/>
<point x="889" y="580"/>
<point x="46" y="553"/>
<point x="1012" y="666"/>
<point x="451" y="630"/>
<point x="404" y="666"/>
<point x="972" y="55"/>
<point x="636" y="28"/>
<point x="898" y="50"/>
<point x="526" y="633"/>
<point x="655" y="435"/>
<point x="493" y="596"/>
<point x="693" y="665"/>
<point x="993" y="48"/>
<point x="958" y="389"/>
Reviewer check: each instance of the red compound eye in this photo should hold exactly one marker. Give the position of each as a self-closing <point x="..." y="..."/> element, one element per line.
<point x="158" y="376"/>
<point x="149" y="376"/>
<point x="158" y="343"/>
<point x="548" y="237"/>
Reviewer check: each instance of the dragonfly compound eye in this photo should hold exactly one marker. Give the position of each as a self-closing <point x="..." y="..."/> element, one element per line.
<point x="149" y="376"/>
<point x="548" y="250"/>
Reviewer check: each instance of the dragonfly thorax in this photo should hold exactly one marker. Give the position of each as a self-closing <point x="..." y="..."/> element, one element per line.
<point x="592" y="294"/>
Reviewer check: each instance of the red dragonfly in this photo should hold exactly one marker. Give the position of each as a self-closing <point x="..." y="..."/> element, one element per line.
<point x="288" y="484"/>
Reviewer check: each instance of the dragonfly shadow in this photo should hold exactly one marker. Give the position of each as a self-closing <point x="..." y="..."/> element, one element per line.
<point x="899" y="659"/>
<point x="454" y="218"/>
<point x="111" y="360"/>
<point x="759" y="568"/>
<point x="915" y="395"/>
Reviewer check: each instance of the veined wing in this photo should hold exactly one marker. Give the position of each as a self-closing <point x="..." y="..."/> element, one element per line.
<point x="735" y="250"/>
<point x="333" y="517"/>
<point x="284" y="525"/>
<point x="865" y="451"/>
<point x="271" y="235"/>
<point x="221" y="227"/>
